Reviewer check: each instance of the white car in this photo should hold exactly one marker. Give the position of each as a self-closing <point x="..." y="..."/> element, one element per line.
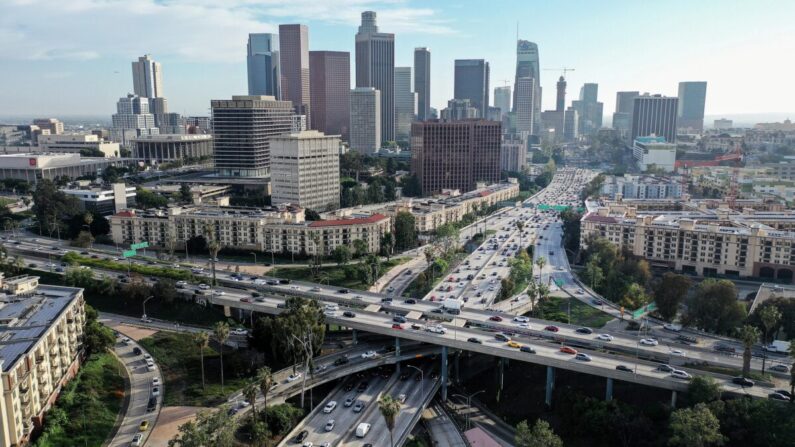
<point x="203" y="286"/>
<point x="315" y="289"/>
<point x="182" y="284"/>
<point x="155" y="381"/>
<point x="672" y="327"/>
<point x="294" y="377"/>
<point x="330" y="425"/>
<point x="368" y="355"/>
<point x="401" y="398"/>
<point x="649" y="342"/>
<point x="524" y="325"/>
<point x="679" y="374"/>
<point x="604" y="337"/>
<point x="137" y="440"/>
<point x="436" y="329"/>
<point x="521" y="319"/>
<point x="678" y="352"/>
<point x="330" y="407"/>
<point x="218" y="292"/>
<point x="239" y="331"/>
<point x="150" y="365"/>
<point x="155" y="391"/>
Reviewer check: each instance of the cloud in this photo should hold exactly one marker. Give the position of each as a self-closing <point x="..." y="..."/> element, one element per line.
<point x="189" y="30"/>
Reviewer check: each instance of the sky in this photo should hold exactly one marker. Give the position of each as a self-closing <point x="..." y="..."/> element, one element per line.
<point x="64" y="58"/>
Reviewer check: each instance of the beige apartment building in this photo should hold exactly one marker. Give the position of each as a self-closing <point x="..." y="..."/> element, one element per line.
<point x="706" y="242"/>
<point x="41" y="331"/>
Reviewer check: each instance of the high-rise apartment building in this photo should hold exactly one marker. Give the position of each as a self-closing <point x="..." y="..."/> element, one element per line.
<point x="375" y="67"/>
<point x="131" y="120"/>
<point x="690" y="112"/>
<point x="242" y="127"/>
<point x="306" y="170"/>
<point x="622" y="117"/>
<point x="528" y="66"/>
<point x="53" y="125"/>
<point x="459" y="109"/>
<point x="330" y="87"/>
<point x="147" y="77"/>
<point x="552" y="125"/>
<point x="589" y="109"/>
<point x="264" y="65"/>
<point x="654" y="115"/>
<point x="365" y="120"/>
<point x="560" y="100"/>
<point x="405" y="104"/>
<point x="472" y="82"/>
<point x="455" y="154"/>
<point x="524" y="107"/>
<point x="422" y="82"/>
<point x="502" y="99"/>
<point x="294" y="54"/>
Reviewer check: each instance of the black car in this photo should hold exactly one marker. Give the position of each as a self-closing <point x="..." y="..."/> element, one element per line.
<point x="584" y="330"/>
<point x="410" y="301"/>
<point x="527" y="349"/>
<point x="778" y="396"/>
<point x="785" y="393"/>
<point x="501" y="337"/>
<point x="349" y="314"/>
<point x="624" y="368"/>
<point x="341" y="361"/>
<point x="284" y="281"/>
<point x="475" y="340"/>
<point x="743" y="381"/>
<point x="137" y="351"/>
<point x="665" y="368"/>
<point x="271" y="282"/>
<point x="342" y="291"/>
<point x="438" y="310"/>
<point x="152" y="404"/>
<point x="256" y="294"/>
<point x="301" y="436"/>
<point x="399" y="319"/>
<point x="362" y="387"/>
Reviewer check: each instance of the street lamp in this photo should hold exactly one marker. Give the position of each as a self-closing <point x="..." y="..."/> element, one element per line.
<point x="469" y="403"/>
<point x="422" y="380"/>
<point x="144" y="305"/>
<point x="255" y="257"/>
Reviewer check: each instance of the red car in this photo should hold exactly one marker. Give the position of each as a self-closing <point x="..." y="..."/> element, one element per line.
<point x="397" y="326"/>
<point x="568" y="350"/>
<point x="245" y="300"/>
<point x="552" y="328"/>
<point x="495" y="318"/>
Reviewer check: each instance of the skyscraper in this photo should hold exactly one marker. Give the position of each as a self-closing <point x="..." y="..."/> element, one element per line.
<point x="458" y="109"/>
<point x="147" y="77"/>
<point x="375" y="67"/>
<point x="294" y="49"/>
<point x="422" y="82"/>
<point x="366" y="120"/>
<point x="692" y="97"/>
<point x="132" y="119"/>
<point x="502" y="99"/>
<point x="589" y="109"/>
<point x="622" y="117"/>
<point x="528" y="66"/>
<point x="654" y="115"/>
<point x="405" y="104"/>
<point x="330" y="88"/>
<point x="560" y="102"/>
<point x="264" y="65"/>
<point x="472" y="83"/>
<point x="242" y="127"/>
<point x="455" y="154"/>
<point x="525" y="106"/>
<point x="306" y="170"/>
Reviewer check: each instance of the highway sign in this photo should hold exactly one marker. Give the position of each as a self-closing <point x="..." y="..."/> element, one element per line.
<point x="128" y="253"/>
<point x="651" y="307"/>
<point x="139" y="245"/>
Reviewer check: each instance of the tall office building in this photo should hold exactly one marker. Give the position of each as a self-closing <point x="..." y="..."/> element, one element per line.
<point x="131" y="120"/>
<point x="455" y="154"/>
<point x="472" y="83"/>
<point x="242" y="127"/>
<point x="294" y="49"/>
<point x="264" y="65"/>
<point x="552" y="125"/>
<point x="53" y="125"/>
<point x="306" y="170"/>
<point x="690" y="114"/>
<point x="571" y="122"/>
<point x="502" y="99"/>
<point x="147" y="77"/>
<point x="366" y="120"/>
<point x="560" y="100"/>
<point x="405" y="104"/>
<point x="654" y="115"/>
<point x="422" y="82"/>
<point x="622" y="117"/>
<point x="589" y="109"/>
<point x="375" y="67"/>
<point x="330" y="88"/>
<point x="528" y="66"/>
<point x="524" y="108"/>
<point x="459" y="109"/>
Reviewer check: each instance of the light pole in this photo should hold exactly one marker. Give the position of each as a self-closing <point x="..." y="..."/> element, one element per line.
<point x="422" y="379"/>
<point x="469" y="403"/>
<point x="255" y="257"/>
<point x="144" y="305"/>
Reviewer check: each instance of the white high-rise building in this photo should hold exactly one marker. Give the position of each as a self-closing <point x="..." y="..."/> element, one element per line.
<point x="131" y="120"/>
<point x="365" y="120"/>
<point x="305" y="170"/>
<point x="375" y="67"/>
<point x="147" y="77"/>
<point x="502" y="99"/>
<point x="405" y="103"/>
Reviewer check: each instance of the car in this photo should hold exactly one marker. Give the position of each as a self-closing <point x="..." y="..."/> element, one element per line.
<point x="521" y="319"/>
<point x="665" y="368"/>
<point x="743" y="381"/>
<point x="513" y="344"/>
<point x="348" y="402"/>
<point x="330" y="406"/>
<point x="181" y="284"/>
<point x="155" y="381"/>
<point x="239" y="331"/>
<point x="203" y="286"/>
<point x="284" y="281"/>
<point x="315" y="289"/>
<point x="580" y="292"/>
<point x="568" y="350"/>
<point x="678" y="352"/>
<point x="604" y="337"/>
<point x="330" y="425"/>
<point x="301" y="436"/>
<point x="624" y="368"/>
<point x="780" y="368"/>
<point x="784" y="393"/>
<point x="248" y="300"/>
<point x="672" y="327"/>
<point x="584" y="330"/>
<point x="551" y="328"/>
<point x="777" y="396"/>
<point x="679" y="374"/>
<point x="341" y="361"/>
<point x="728" y="349"/>
<point x="438" y="329"/>
<point x="150" y="365"/>
<point x="649" y="342"/>
<point x="410" y="301"/>
<point x="144" y="425"/>
<point x="293" y="377"/>
<point x="401" y="398"/>
<point x="368" y="355"/>
<point x="348" y="314"/>
<point x="527" y="349"/>
<point x="137" y="350"/>
<point x="495" y="318"/>
<point x="358" y="407"/>
<point x="342" y="291"/>
<point x="155" y="391"/>
<point x="582" y="356"/>
<point x="397" y="326"/>
<point x="399" y="319"/>
<point x="217" y="292"/>
<point x="502" y="337"/>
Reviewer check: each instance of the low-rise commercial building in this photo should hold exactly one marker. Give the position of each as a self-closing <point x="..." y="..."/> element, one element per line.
<point x="105" y="200"/>
<point x="631" y="186"/>
<point x="41" y="333"/>
<point x="34" y="167"/>
<point x="172" y="147"/>
<point x="91" y="144"/>
<point x="654" y="151"/>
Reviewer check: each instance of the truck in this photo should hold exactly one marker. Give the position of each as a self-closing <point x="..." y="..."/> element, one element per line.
<point x="451" y="304"/>
<point x="778" y="346"/>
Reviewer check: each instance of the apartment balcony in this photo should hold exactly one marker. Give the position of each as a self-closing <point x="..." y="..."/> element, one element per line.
<point x="42" y="379"/>
<point x="42" y="368"/>
<point x="24" y="400"/>
<point x="26" y="410"/>
<point x="23" y="390"/>
<point x="39" y="359"/>
<point x="27" y="428"/>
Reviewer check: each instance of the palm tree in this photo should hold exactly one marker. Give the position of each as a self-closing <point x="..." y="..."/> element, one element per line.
<point x="213" y="246"/>
<point x="519" y="226"/>
<point x="265" y="381"/>
<point x="250" y="393"/>
<point x="792" y="373"/>
<point x="390" y="408"/>
<point x="541" y="262"/>
<point x="770" y="317"/>
<point x="221" y="333"/>
<point x="749" y="335"/>
<point x="201" y="339"/>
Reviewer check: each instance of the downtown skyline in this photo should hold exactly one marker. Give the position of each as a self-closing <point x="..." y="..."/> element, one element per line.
<point x="54" y="72"/>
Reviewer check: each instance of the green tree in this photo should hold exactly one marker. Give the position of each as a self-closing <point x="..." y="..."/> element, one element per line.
<point x="341" y="254"/>
<point x="209" y="429"/>
<point x="264" y="380"/>
<point x="703" y="389"/>
<point x="405" y="232"/>
<point x="506" y="289"/>
<point x="593" y="274"/>
<point x="389" y="408"/>
<point x="221" y="334"/>
<point x="770" y="317"/>
<point x="185" y="196"/>
<point x="165" y="290"/>
<point x="541" y="435"/>
<point x="96" y="336"/>
<point x="147" y="199"/>
<point x="447" y="236"/>
<point x="250" y="393"/>
<point x="213" y="246"/>
<point x="360" y="248"/>
<point x="540" y="263"/>
<point x="749" y="335"/>
<point x="669" y="293"/>
<point x="201" y="340"/>
<point x="714" y="307"/>
<point x="53" y="208"/>
<point x="387" y="245"/>
<point x="695" y="427"/>
<point x="634" y="297"/>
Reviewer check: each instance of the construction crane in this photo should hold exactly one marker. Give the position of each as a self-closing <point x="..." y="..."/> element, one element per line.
<point x="564" y="70"/>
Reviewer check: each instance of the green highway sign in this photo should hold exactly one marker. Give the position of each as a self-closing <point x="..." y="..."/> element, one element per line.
<point x="651" y="307"/>
<point x="139" y="245"/>
<point x="128" y="253"/>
